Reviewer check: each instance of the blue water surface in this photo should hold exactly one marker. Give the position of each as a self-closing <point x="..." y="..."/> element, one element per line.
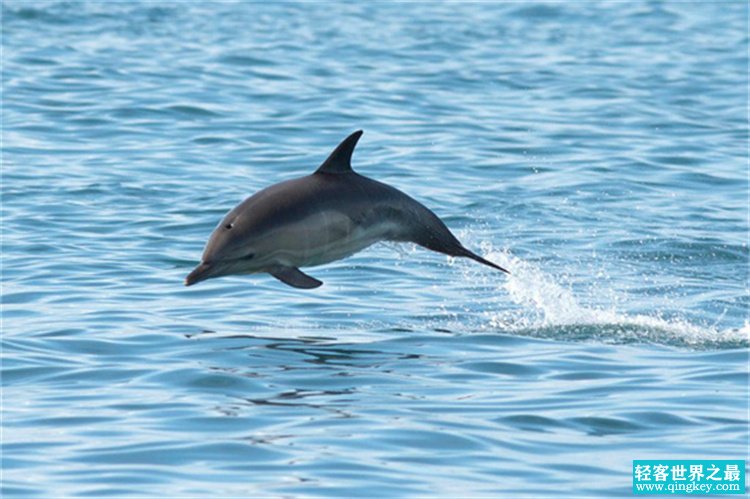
<point x="598" y="150"/>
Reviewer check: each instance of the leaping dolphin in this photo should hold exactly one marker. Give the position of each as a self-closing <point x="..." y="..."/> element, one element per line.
<point x="317" y="219"/>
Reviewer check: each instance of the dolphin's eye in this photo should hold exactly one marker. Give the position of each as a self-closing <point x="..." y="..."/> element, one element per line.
<point x="229" y="226"/>
<point x="249" y="256"/>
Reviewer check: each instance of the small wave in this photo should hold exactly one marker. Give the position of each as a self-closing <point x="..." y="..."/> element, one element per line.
<point x="551" y="310"/>
<point x="192" y="111"/>
<point x="537" y="12"/>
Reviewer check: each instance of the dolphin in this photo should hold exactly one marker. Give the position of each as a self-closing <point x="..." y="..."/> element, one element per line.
<point x="326" y="216"/>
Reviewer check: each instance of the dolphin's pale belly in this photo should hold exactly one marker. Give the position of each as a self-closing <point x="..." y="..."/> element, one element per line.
<point x="322" y="238"/>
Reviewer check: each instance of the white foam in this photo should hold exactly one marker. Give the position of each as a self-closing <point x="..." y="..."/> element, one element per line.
<point x="548" y="308"/>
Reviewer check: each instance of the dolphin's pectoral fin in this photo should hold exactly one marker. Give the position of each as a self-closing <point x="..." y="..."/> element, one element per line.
<point x="295" y="277"/>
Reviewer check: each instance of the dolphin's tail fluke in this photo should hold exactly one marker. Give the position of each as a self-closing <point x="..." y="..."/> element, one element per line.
<point x="477" y="258"/>
<point x="426" y="229"/>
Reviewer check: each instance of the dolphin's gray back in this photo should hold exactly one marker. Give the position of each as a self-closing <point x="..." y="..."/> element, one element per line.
<point x="359" y="198"/>
<point x="367" y="203"/>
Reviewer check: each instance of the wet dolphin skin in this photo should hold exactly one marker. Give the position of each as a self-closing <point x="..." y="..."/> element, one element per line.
<point x="326" y="216"/>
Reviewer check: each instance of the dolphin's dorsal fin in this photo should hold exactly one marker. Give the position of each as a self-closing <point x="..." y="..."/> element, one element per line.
<point x="340" y="160"/>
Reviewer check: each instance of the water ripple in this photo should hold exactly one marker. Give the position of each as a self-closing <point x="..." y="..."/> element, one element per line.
<point x="595" y="150"/>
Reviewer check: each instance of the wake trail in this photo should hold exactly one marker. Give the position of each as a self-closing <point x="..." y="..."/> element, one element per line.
<point x="551" y="310"/>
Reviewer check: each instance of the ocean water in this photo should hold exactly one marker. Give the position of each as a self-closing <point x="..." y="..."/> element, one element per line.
<point x="598" y="150"/>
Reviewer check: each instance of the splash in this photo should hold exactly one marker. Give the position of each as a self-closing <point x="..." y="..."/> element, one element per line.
<point x="551" y="310"/>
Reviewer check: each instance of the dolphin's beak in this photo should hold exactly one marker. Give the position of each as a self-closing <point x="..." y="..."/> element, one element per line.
<point x="199" y="273"/>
